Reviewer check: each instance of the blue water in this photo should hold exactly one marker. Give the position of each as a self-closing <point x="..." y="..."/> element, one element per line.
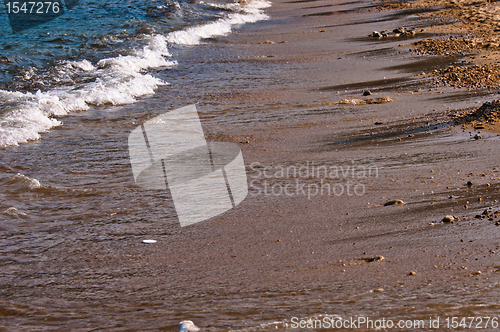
<point x="99" y="53"/>
<point x="92" y="30"/>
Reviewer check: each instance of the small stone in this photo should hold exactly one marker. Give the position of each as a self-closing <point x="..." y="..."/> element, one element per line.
<point x="148" y="241"/>
<point x="366" y="93"/>
<point x="376" y="290"/>
<point x="469" y="183"/>
<point x="399" y="31"/>
<point x="394" y="202"/>
<point x="378" y="123"/>
<point x="448" y="218"/>
<point x="412" y="273"/>
<point x="376" y="34"/>
<point x="188" y="326"/>
<point x="374" y="259"/>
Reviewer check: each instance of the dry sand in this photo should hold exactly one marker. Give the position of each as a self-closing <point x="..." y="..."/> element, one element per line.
<point x="474" y="32"/>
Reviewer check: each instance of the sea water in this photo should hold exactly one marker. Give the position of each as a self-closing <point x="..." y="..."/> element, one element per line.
<point x="100" y="53"/>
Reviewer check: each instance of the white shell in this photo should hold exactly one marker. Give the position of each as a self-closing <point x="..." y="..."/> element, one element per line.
<point x="188" y="326"/>
<point x="148" y="241"/>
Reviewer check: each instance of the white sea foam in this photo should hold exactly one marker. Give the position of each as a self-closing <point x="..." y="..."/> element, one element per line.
<point x="248" y="12"/>
<point x="114" y="81"/>
<point x="20" y="181"/>
<point x="117" y="81"/>
<point x="13" y="212"/>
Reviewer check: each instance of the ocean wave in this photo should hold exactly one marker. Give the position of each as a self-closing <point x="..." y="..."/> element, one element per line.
<point x="20" y="182"/>
<point x="166" y="9"/>
<point x="14" y="212"/>
<point x="113" y="81"/>
<point x="110" y="81"/>
<point x="245" y="12"/>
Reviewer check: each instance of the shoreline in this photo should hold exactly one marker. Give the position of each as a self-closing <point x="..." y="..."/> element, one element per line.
<point x="288" y="91"/>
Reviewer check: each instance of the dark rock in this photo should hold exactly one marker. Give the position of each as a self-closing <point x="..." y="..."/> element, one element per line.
<point x="399" y="31"/>
<point x="448" y="218"/>
<point x="374" y="259"/>
<point x="394" y="202"/>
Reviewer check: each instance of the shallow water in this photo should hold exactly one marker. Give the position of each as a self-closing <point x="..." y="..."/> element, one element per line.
<point x="104" y="57"/>
<point x="73" y="220"/>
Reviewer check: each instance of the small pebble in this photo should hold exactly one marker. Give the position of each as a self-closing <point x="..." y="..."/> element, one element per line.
<point x="448" y="218"/>
<point x="188" y="326"/>
<point x="394" y="202"/>
<point x="148" y="241"/>
<point x="376" y="290"/>
<point x="375" y="259"/>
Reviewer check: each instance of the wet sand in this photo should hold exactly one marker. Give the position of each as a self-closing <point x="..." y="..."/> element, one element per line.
<point x="291" y="95"/>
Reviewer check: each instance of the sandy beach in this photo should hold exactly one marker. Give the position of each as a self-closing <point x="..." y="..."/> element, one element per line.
<point x="356" y="148"/>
